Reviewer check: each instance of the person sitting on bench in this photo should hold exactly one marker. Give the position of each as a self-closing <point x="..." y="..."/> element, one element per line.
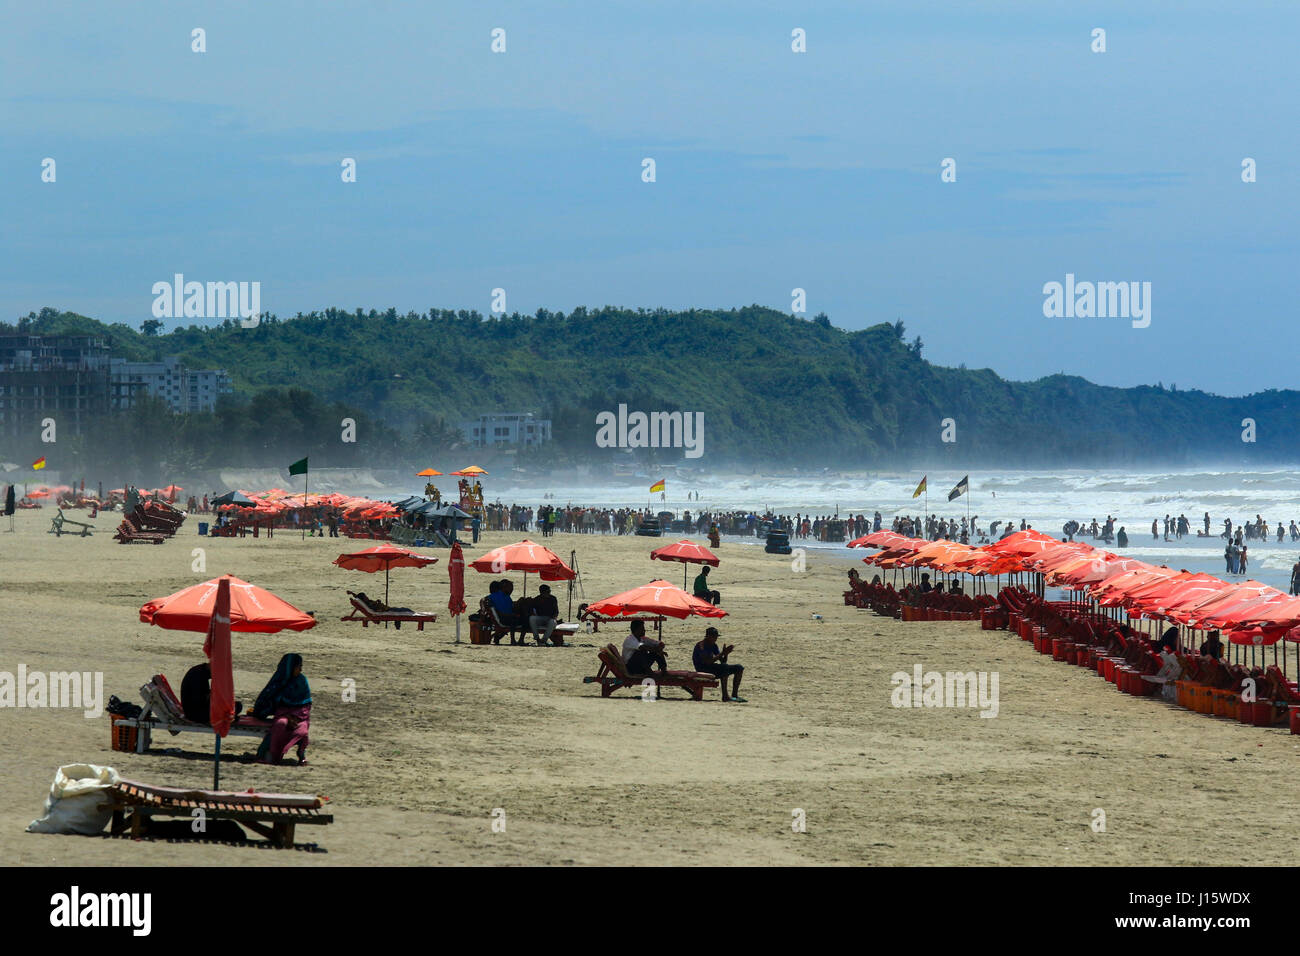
<point x="702" y="587"/>
<point x="639" y="651"/>
<point x="196" y="694"/>
<point x="711" y="659"/>
<point x="499" y="594"/>
<point x="286" y="701"/>
<point x="545" y="615"/>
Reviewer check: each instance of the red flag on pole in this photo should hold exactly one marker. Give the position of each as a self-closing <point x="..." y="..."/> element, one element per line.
<point x="217" y="647"/>
<point x="456" y="569"/>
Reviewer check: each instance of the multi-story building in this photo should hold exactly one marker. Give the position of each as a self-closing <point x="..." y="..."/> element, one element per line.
<point x="507" y="428"/>
<point x="72" y="378"/>
<point x="64" y="377"/>
<point x="184" y="390"/>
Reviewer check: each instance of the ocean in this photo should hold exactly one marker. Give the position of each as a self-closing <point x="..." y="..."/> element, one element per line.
<point x="1045" y="499"/>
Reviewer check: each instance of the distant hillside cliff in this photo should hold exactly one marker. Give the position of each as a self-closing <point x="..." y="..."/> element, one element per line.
<point x="773" y="390"/>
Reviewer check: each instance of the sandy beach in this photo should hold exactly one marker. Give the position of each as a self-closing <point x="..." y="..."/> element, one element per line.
<point x="442" y="735"/>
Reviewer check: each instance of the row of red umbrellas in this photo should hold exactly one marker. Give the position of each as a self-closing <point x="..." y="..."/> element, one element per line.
<point x="1250" y="612"/>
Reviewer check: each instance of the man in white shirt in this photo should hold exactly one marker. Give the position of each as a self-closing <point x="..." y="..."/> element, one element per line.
<point x="639" y="651"/>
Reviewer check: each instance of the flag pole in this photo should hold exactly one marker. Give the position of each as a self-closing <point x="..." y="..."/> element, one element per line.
<point x="305" y="473"/>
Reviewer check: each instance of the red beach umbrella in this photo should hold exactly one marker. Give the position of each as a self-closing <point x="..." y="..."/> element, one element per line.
<point x="382" y="558"/>
<point x="657" y="597"/>
<point x="687" y="552"/>
<point x="526" y="556"/>
<point x="252" y="609"/>
<point x="456" y="572"/>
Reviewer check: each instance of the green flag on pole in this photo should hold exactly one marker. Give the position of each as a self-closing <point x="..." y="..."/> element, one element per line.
<point x="298" y="468"/>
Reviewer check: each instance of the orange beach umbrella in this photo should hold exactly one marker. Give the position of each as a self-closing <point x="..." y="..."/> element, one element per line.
<point x="686" y="552"/>
<point x="657" y="597"/>
<point x="382" y="557"/>
<point x="252" y="609"/>
<point x="525" y="556"/>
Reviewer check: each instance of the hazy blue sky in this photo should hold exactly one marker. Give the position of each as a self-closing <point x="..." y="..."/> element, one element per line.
<point x="775" y="170"/>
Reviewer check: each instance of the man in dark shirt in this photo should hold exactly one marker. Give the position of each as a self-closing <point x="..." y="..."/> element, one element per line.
<point x="196" y="693"/>
<point x="545" y="615"/>
<point x="711" y="659"/>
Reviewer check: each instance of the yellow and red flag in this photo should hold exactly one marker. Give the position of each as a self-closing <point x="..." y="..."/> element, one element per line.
<point x="38" y="464"/>
<point x="657" y="486"/>
<point x="920" y="489"/>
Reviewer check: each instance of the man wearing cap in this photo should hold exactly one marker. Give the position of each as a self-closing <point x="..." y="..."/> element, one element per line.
<point x="711" y="659"/>
<point x="545" y="615"/>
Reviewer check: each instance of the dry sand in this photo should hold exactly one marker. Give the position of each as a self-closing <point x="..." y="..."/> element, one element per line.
<point x="441" y="735"/>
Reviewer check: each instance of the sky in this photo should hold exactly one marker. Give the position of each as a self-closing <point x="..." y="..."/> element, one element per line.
<point x="774" y="169"/>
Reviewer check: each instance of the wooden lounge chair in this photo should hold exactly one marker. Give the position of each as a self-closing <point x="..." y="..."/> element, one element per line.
<point x="272" y="815"/>
<point x="158" y="517"/>
<point x="162" y="711"/>
<point x="131" y="532"/>
<point x="613" y="675"/>
<point x="58" y="527"/>
<point x="498" y="629"/>
<point x="368" y="614"/>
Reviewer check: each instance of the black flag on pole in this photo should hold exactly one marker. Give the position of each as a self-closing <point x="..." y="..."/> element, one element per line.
<point x="963" y="486"/>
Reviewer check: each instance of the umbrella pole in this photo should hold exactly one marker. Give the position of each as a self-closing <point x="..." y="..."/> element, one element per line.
<point x="216" y="764"/>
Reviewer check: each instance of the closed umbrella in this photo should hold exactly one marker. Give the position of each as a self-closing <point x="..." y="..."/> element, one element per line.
<point x="456" y="574"/>
<point x="221" y="712"/>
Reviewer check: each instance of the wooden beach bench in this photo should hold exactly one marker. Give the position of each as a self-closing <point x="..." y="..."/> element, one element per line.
<point x="613" y="675"/>
<point x="367" y="615"/>
<point x="496" y="629"/>
<point x="156" y="516"/>
<point x="162" y="711"/>
<point x="271" y="815"/>
<point x="58" y="530"/>
<point x="599" y="619"/>
<point x="130" y="532"/>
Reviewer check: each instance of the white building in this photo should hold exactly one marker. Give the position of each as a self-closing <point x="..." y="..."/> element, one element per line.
<point x="507" y="428"/>
<point x="184" y="390"/>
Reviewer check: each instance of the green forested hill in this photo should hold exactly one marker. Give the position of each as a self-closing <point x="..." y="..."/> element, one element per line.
<point x="774" y="389"/>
